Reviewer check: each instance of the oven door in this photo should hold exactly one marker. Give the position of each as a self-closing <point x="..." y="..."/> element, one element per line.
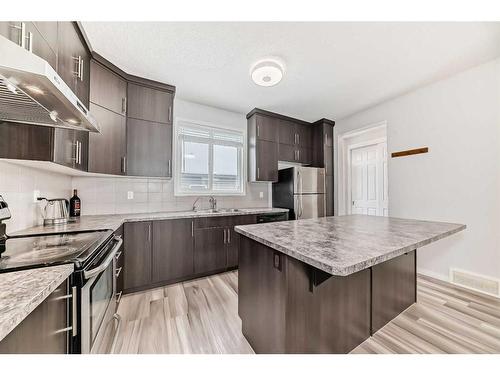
<point x="98" y="303"/>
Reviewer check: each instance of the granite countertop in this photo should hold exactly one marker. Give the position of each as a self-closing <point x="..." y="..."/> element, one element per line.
<point x="22" y="291"/>
<point x="100" y="222"/>
<point x="342" y="245"/>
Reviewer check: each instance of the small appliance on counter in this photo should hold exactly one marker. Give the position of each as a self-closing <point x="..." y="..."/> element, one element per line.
<point x="302" y="191"/>
<point x="54" y="211"/>
<point x="92" y="297"/>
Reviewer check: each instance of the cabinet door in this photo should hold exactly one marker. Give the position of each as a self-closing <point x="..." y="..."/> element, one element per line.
<point x="48" y="31"/>
<point x="137" y="260"/>
<point x="304" y="135"/>
<point x="33" y="38"/>
<point x="43" y="330"/>
<point x="149" y="148"/>
<point x="82" y="141"/>
<point x="73" y="61"/>
<point x="262" y="296"/>
<point x="287" y="153"/>
<point x="233" y="240"/>
<point x="328" y="160"/>
<point x="23" y="141"/>
<point x="287" y="133"/>
<point x="107" y="150"/>
<point x="172" y="249"/>
<point x="107" y="89"/>
<point x="267" y="128"/>
<point x="209" y="250"/>
<point x="65" y="147"/>
<point x="305" y="155"/>
<point x="267" y="161"/>
<point x="150" y="104"/>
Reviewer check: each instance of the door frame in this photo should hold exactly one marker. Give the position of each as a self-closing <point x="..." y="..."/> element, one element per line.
<point x="344" y="163"/>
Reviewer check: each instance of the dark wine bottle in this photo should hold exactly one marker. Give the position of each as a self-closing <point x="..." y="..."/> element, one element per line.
<point x="75" y="205"/>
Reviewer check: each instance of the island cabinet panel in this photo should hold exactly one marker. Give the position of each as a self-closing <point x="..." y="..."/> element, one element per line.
<point x="393" y="288"/>
<point x="43" y="330"/>
<point x="172" y="249"/>
<point x="262" y="296"/>
<point x="137" y="261"/>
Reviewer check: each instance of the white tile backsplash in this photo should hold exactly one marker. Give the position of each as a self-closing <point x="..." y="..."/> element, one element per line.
<point x="106" y="195"/>
<point x="17" y="185"/>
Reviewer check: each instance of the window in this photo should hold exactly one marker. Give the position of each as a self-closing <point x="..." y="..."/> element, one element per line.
<point x="209" y="160"/>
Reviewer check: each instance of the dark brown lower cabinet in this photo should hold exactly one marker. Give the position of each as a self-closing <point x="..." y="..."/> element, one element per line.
<point x="172" y="249"/>
<point x="210" y="252"/>
<point x="262" y="296"/>
<point x="393" y="288"/>
<point x="137" y="256"/>
<point x="42" y="331"/>
<point x="232" y="246"/>
<point x="287" y="306"/>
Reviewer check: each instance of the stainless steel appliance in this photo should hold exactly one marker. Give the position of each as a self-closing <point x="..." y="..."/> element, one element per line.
<point x="32" y="92"/>
<point x="94" y="254"/>
<point x="302" y="191"/>
<point x="54" y="211"/>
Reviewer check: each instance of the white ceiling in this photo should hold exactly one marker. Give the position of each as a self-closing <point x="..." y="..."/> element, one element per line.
<point x="332" y="69"/>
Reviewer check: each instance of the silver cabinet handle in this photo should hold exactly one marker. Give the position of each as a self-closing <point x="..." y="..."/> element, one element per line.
<point x="79" y="152"/>
<point x="79" y="67"/>
<point x="82" y="62"/>
<point x="118" y="318"/>
<point x="29" y="38"/>
<point x="258" y="173"/>
<point x="229" y="235"/>
<point x="118" y="255"/>
<point x="76" y="152"/>
<point x="298" y="154"/>
<point x="258" y="135"/>
<point x="118" y="271"/>
<point x="298" y="138"/>
<point x="124" y="164"/>
<point x="169" y="167"/>
<point x="169" y="113"/>
<point x="224" y="235"/>
<point x="124" y="105"/>
<point x="192" y="228"/>
<point x="74" y="311"/>
<point x="149" y="232"/>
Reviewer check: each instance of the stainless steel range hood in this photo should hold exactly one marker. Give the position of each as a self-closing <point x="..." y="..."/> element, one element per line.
<point x="31" y="92"/>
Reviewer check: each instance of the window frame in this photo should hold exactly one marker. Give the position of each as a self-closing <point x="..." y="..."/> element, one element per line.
<point x="177" y="158"/>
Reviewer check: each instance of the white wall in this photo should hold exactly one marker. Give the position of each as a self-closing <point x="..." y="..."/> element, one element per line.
<point x="459" y="179"/>
<point x="17" y="184"/>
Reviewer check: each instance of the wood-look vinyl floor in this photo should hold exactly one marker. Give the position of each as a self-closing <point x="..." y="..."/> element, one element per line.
<point x="201" y="316"/>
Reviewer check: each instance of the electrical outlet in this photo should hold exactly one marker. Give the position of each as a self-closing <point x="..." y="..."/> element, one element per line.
<point x="261" y="194"/>
<point x="130" y="195"/>
<point x="36" y="194"/>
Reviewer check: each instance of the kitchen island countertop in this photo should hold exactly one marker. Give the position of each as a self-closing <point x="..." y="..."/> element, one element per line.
<point x="343" y="245"/>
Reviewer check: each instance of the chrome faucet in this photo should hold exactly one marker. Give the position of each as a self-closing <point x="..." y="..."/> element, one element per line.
<point x="213" y="203"/>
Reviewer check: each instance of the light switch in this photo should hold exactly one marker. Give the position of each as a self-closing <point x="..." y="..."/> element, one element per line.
<point x="130" y="195"/>
<point x="261" y="194"/>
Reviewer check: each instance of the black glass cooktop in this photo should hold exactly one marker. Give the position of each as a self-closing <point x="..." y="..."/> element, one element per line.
<point x="47" y="250"/>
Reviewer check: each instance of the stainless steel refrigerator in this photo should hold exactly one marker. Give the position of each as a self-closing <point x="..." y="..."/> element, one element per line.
<point x="302" y="191"/>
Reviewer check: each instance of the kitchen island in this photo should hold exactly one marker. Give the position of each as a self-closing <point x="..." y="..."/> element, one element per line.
<point x="325" y="285"/>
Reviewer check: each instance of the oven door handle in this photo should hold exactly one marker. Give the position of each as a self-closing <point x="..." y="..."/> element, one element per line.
<point x="88" y="274"/>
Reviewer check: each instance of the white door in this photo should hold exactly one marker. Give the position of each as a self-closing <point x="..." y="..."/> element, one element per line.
<point x="369" y="193"/>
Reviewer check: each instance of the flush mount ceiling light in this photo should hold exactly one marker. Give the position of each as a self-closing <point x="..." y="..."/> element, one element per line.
<point x="267" y="72"/>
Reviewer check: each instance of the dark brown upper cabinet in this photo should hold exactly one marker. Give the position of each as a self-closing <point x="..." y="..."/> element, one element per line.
<point x="107" y="89"/>
<point x="71" y="148"/>
<point x="323" y="145"/>
<point x="108" y="149"/>
<point x="150" y="104"/>
<point x="37" y="37"/>
<point x="149" y="149"/>
<point x="266" y="128"/>
<point x="73" y="61"/>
